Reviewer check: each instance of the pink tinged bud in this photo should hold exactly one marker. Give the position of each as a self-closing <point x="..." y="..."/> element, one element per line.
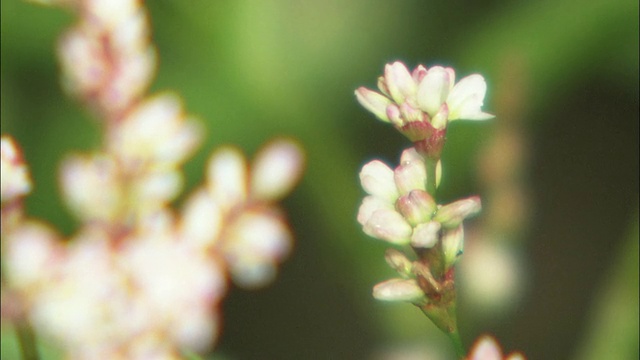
<point x="374" y="102"/>
<point x="399" y="290"/>
<point x="410" y="155"/>
<point x="227" y="178"/>
<point x="419" y="73"/>
<point x="399" y="82"/>
<point x="410" y="176"/>
<point x="201" y="220"/>
<point x="486" y="348"/>
<point x="388" y="225"/>
<point x="434" y="89"/>
<point x="276" y="170"/>
<point x="451" y="215"/>
<point x="467" y="98"/>
<point x="378" y="179"/>
<point x="417" y="207"/>
<point x="399" y="262"/>
<point x="425" y="235"/>
<point x="15" y="181"/>
<point x="452" y="246"/>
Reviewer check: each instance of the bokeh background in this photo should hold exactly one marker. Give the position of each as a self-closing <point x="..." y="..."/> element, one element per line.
<point x="550" y="266"/>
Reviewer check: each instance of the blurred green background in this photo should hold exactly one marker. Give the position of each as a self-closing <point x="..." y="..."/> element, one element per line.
<point x="563" y="83"/>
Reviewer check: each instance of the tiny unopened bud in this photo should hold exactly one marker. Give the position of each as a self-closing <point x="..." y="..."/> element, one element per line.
<point x="451" y="215"/>
<point x="399" y="262"/>
<point x="399" y="82"/>
<point x="410" y="176"/>
<point x="452" y="246"/>
<point x="417" y="207"/>
<point x="399" y="290"/>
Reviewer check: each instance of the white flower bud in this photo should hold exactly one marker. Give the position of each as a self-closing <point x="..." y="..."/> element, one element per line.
<point x="399" y="290"/>
<point x="451" y="215"/>
<point x="399" y="262"/>
<point x="452" y="246"/>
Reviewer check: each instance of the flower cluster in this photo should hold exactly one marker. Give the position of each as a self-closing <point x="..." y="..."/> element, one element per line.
<point x="401" y="206"/>
<point x="400" y="211"/>
<point x="153" y="289"/>
<point x="421" y="103"/>
<point x="138" y="279"/>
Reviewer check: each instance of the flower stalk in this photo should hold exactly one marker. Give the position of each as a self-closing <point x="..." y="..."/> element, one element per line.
<point x="401" y="207"/>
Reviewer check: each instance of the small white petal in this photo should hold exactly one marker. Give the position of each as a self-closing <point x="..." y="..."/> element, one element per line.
<point x="399" y="82"/>
<point x="467" y="98"/>
<point x="410" y="176"/>
<point x="434" y="89"/>
<point x="374" y="102"/>
<point x="425" y="235"/>
<point x="377" y="179"/>
<point x="452" y="245"/>
<point x="398" y="290"/>
<point x="227" y="177"/>
<point x="277" y="168"/>
<point x="410" y="155"/>
<point x="370" y="204"/>
<point x="388" y="225"/>
<point x="452" y="215"/>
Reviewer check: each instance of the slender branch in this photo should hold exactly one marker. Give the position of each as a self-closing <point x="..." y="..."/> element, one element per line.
<point x="457" y="344"/>
<point x="26" y="342"/>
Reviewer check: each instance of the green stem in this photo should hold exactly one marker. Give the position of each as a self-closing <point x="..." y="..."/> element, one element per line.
<point x="457" y="344"/>
<point x="27" y="342"/>
<point x="431" y="165"/>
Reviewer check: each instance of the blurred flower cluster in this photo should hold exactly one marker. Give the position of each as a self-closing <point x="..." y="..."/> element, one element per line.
<point x="486" y="348"/>
<point x="139" y="280"/>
